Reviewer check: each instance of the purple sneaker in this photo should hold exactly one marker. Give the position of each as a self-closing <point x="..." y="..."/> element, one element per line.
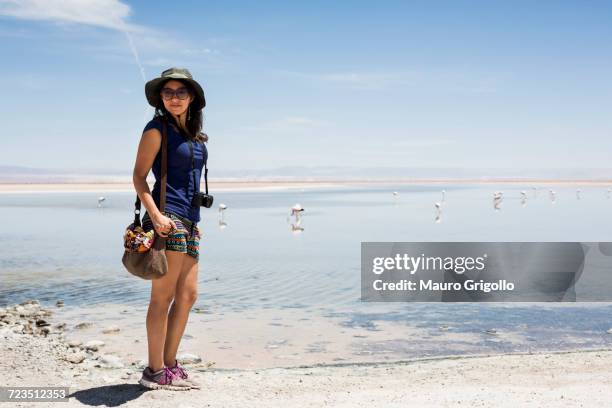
<point x="163" y="379"/>
<point x="180" y="372"/>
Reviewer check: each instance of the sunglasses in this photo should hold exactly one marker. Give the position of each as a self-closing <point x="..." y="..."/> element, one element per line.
<point x="168" y="93"/>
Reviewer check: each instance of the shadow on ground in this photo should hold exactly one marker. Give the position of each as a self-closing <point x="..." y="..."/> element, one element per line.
<point x="109" y="395"/>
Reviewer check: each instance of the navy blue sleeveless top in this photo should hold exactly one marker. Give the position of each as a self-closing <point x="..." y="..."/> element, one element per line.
<point x="180" y="186"/>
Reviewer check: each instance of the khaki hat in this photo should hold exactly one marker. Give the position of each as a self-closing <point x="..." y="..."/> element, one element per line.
<point x="152" y="87"/>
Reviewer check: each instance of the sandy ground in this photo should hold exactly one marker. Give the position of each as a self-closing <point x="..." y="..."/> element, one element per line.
<point x="548" y="380"/>
<point x="31" y="357"/>
<point x="293" y="184"/>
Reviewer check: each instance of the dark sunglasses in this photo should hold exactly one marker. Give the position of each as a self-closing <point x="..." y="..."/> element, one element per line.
<point x="168" y="93"/>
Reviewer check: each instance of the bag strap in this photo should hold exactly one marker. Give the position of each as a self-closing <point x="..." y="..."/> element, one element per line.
<point x="164" y="168"/>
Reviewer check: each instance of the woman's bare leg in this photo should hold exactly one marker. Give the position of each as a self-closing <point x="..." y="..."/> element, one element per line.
<point x="185" y="296"/>
<point x="162" y="293"/>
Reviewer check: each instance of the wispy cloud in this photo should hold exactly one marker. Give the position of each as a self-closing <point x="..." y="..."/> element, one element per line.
<point x="286" y="124"/>
<point x="199" y="51"/>
<point x="115" y="15"/>
<point x="361" y="80"/>
<point x="364" y="79"/>
<point x="111" y="14"/>
<point x="459" y="80"/>
<point x="417" y="143"/>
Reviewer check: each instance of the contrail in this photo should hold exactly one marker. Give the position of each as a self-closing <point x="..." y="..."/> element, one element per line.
<point x="140" y="67"/>
<point x="135" y="52"/>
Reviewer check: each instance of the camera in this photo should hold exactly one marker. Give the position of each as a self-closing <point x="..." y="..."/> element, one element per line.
<point x="202" y="200"/>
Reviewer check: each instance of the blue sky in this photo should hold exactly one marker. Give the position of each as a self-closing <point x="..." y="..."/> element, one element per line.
<point x="349" y="83"/>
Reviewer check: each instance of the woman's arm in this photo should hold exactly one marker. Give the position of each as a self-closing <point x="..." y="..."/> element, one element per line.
<point x="149" y="146"/>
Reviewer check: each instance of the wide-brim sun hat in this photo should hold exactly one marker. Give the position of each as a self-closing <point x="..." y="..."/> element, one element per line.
<point x="152" y="87"/>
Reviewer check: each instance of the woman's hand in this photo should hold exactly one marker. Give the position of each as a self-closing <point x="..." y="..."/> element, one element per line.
<point x="163" y="225"/>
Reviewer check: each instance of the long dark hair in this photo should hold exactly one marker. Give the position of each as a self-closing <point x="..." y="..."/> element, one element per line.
<point x="195" y="118"/>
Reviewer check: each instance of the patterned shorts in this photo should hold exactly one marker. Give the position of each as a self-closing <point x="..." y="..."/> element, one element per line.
<point x="185" y="239"/>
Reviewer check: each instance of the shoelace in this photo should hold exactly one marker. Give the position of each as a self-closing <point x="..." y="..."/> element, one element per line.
<point x="179" y="371"/>
<point x="168" y="376"/>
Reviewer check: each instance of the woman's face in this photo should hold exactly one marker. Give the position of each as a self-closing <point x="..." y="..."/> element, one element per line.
<point x="171" y="94"/>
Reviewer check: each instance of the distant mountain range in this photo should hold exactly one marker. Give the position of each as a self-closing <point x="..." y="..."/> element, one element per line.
<point x="18" y="174"/>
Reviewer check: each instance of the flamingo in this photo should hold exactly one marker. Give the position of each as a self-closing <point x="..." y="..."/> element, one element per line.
<point x="222" y="208"/>
<point x="438" y="207"/>
<point x="498" y="197"/>
<point x="296" y="228"/>
<point x="296" y="210"/>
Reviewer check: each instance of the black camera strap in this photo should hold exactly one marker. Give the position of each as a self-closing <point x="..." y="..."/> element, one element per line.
<point x="206" y="178"/>
<point x="193" y="169"/>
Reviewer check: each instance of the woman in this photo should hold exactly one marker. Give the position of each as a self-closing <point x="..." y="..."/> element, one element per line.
<point x="178" y="100"/>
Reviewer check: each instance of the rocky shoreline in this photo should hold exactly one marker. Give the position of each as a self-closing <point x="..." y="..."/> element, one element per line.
<point x="29" y="340"/>
<point x="36" y="352"/>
